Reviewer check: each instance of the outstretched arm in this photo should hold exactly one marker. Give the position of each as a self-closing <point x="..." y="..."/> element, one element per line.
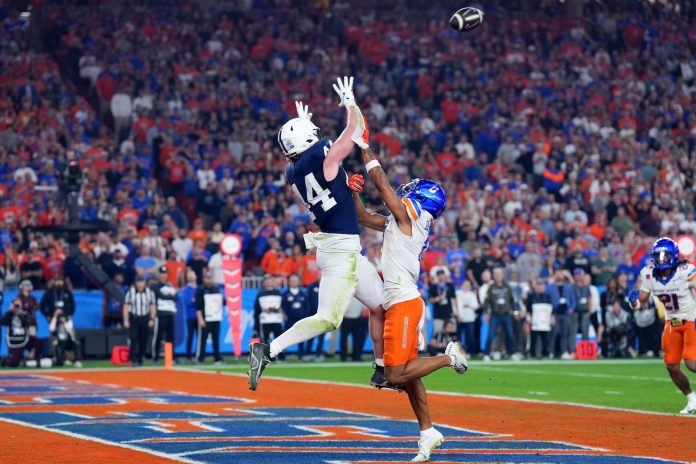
<point x="389" y="197"/>
<point x="365" y="218"/>
<point x="342" y="147"/>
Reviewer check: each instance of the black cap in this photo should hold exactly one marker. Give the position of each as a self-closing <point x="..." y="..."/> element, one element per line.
<point x="163" y="268"/>
<point x="140" y="278"/>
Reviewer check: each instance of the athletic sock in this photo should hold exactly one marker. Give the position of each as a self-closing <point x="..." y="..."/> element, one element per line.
<point x="427" y="432"/>
<point x="691" y="397"/>
<point x="452" y="360"/>
<point x="275" y="349"/>
<point x="379" y="362"/>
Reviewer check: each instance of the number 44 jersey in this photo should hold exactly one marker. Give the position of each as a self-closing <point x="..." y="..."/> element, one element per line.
<point x="330" y="203"/>
<point x="676" y="293"/>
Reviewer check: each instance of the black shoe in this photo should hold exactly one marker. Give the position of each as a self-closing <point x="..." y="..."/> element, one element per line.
<point x="379" y="381"/>
<point x="259" y="358"/>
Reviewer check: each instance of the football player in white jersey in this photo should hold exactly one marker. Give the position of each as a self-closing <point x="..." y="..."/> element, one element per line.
<point x="413" y="207"/>
<point x="673" y="283"/>
<point x="315" y="173"/>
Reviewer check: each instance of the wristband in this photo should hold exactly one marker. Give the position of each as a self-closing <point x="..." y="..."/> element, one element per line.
<point x="371" y="165"/>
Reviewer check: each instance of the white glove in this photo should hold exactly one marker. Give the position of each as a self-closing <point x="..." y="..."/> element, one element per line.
<point x="344" y="89"/>
<point x="303" y="111"/>
<point x="361" y="135"/>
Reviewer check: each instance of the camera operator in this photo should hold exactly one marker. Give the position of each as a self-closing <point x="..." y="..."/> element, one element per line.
<point x="18" y="337"/>
<point x="57" y="298"/>
<point x="63" y="339"/>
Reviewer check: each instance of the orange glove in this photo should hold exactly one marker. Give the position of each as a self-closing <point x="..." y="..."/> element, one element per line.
<point x="356" y="182"/>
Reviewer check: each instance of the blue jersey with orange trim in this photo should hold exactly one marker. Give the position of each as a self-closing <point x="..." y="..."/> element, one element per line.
<point x="676" y="292"/>
<point x="330" y="203"/>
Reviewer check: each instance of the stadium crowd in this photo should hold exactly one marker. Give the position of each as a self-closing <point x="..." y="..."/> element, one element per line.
<point x="566" y="145"/>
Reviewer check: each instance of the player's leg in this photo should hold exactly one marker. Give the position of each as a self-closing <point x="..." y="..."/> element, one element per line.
<point x="673" y="347"/>
<point x="401" y="331"/>
<point x="369" y="292"/>
<point x="336" y="289"/>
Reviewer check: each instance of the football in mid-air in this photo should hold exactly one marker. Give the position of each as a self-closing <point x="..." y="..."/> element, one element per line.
<point x="466" y="19"/>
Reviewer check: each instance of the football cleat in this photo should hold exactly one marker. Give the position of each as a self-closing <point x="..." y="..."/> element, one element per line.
<point x="689" y="409"/>
<point x="379" y="381"/>
<point x="259" y="358"/>
<point x="460" y="363"/>
<point x="426" y="445"/>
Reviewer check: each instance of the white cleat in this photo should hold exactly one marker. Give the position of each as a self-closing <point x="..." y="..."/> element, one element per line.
<point x="689" y="409"/>
<point x="427" y="445"/>
<point x="460" y="363"/>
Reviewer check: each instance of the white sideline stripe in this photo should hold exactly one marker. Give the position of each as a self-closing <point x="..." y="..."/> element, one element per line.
<point x="575" y="374"/>
<point x="172" y="457"/>
<point x="467" y="395"/>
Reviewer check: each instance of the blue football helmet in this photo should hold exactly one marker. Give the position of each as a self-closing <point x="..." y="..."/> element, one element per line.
<point x="427" y="193"/>
<point x="665" y="254"/>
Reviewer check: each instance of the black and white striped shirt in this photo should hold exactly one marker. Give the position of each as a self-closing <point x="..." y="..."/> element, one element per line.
<point x="140" y="302"/>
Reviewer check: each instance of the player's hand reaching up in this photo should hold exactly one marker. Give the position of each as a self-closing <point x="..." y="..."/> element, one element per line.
<point x="356" y="182"/>
<point x="303" y="110"/>
<point x="344" y="89"/>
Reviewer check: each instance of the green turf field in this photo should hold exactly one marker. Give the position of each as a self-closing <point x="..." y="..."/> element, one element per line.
<point x="632" y="384"/>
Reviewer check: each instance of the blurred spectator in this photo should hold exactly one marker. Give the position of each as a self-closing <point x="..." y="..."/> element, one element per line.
<point x="648" y="328"/>
<point x="32" y="269"/>
<point x="354" y="325"/>
<point x="295" y="305"/>
<point x="441" y="338"/>
<point x="19" y="337"/>
<point x="146" y="265"/>
<point x="603" y="267"/>
<point x="57" y="297"/>
<point x="188" y="299"/>
<point x="112" y="309"/>
<point x="268" y="311"/>
<point x="583" y="306"/>
<point x="467" y="307"/>
<point x="539" y="314"/>
<point x="198" y="260"/>
<point x="529" y="263"/>
<point x="29" y="304"/>
<point x="166" y="297"/>
<point x="499" y="307"/>
<point x="617" y="329"/>
<point x="209" y="302"/>
<point x="64" y="339"/>
<point x="442" y="296"/>
<point x="563" y="301"/>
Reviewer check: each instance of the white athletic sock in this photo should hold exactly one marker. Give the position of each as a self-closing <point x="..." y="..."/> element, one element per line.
<point x="275" y="349"/>
<point x="427" y="432"/>
<point x="452" y="360"/>
<point x="379" y="362"/>
<point x="691" y="397"/>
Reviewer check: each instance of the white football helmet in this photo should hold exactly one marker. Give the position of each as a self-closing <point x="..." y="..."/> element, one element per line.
<point x="296" y="136"/>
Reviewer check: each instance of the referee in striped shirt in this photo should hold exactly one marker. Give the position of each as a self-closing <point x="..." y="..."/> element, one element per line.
<point x="139" y="311"/>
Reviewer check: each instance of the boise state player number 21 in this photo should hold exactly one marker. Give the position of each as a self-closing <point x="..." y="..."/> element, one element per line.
<point x="672" y="282"/>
